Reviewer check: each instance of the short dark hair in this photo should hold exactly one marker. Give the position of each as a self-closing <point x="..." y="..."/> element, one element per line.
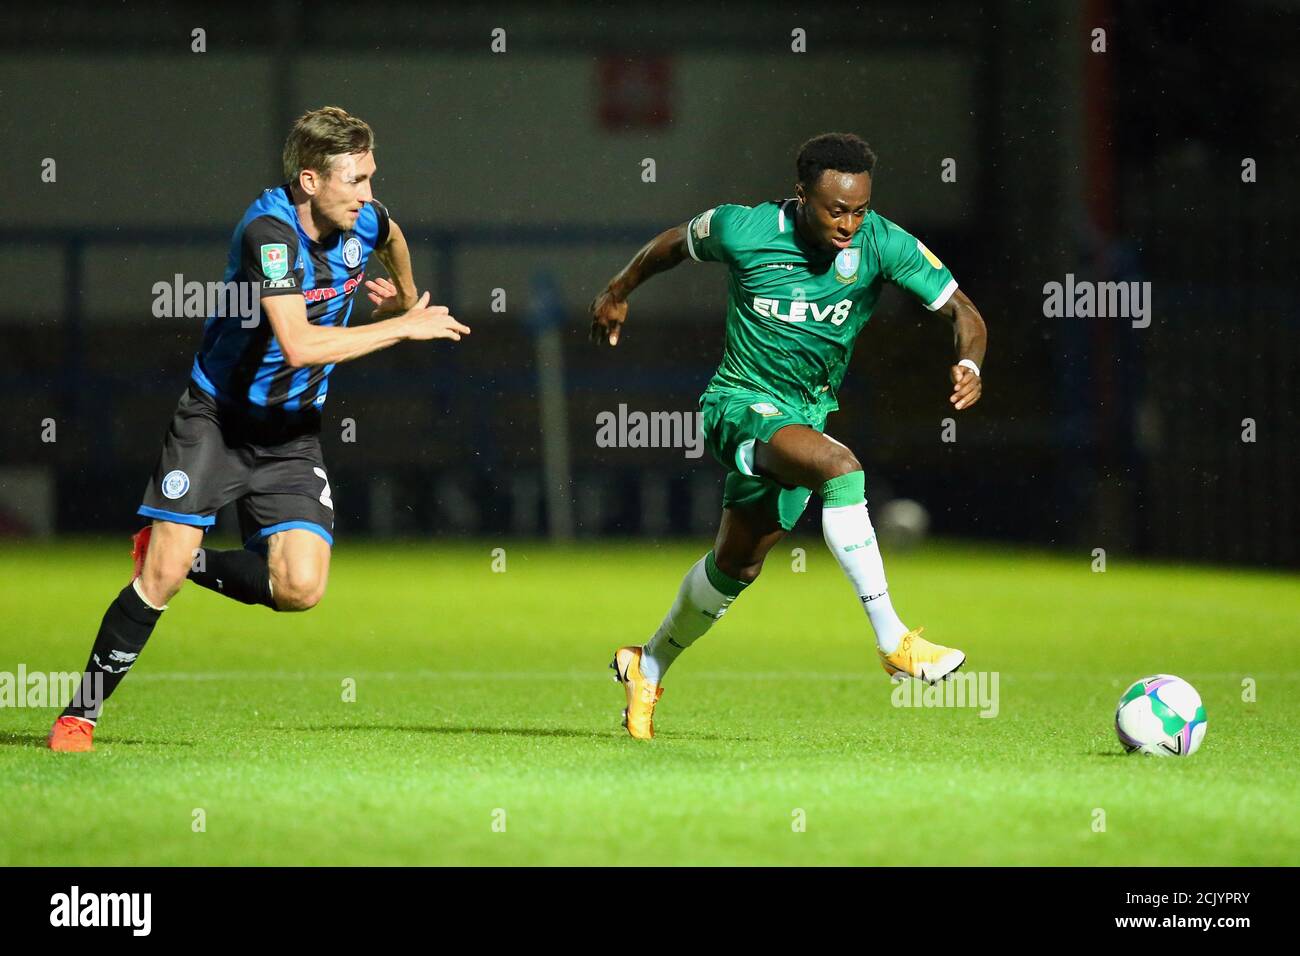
<point x="841" y="152"/>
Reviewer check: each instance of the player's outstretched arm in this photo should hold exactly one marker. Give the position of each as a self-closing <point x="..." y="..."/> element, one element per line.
<point x="609" y="309"/>
<point x="396" y="293"/>
<point x="970" y="337"/>
<point x="305" y="344"/>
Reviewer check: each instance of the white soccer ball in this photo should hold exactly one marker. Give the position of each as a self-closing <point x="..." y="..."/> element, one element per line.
<point x="1161" y="715"/>
<point x="903" y="522"/>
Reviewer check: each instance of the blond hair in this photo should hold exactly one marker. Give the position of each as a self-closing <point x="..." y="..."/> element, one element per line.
<point x="320" y="135"/>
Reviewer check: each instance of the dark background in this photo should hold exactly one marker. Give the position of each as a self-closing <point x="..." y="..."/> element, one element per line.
<point x="507" y="167"/>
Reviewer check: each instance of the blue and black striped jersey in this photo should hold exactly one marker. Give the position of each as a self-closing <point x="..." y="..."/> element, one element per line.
<point x="243" y="366"/>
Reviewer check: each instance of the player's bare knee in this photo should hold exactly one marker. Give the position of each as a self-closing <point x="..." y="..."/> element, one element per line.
<point x="297" y="591"/>
<point x="297" y="601"/>
<point x="840" y="461"/>
<point x="291" y="600"/>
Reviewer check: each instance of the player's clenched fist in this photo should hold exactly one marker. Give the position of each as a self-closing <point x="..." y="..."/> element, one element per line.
<point x="607" y="317"/>
<point x="424" y="321"/>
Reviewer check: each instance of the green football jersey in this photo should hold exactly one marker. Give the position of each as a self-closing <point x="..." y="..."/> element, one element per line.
<point x="793" y="311"/>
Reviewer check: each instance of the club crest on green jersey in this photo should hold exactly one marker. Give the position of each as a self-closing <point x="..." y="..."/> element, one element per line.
<point x="846" y="265"/>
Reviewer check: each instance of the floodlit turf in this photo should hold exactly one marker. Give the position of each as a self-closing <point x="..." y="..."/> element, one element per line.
<point x="484" y="698"/>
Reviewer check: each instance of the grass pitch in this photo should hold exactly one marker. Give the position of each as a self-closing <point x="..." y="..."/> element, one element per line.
<point x="485" y="728"/>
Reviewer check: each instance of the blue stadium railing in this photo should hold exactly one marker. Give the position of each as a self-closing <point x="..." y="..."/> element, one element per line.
<point x="444" y="242"/>
<point x="86" y="396"/>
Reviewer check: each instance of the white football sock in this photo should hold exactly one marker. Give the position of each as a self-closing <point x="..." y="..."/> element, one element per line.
<point x="852" y="539"/>
<point x="698" y="605"/>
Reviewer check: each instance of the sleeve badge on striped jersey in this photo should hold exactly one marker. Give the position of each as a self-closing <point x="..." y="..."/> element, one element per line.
<point x="275" y="260"/>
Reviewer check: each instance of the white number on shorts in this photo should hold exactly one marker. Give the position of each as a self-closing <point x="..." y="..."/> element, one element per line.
<point x="324" y="495"/>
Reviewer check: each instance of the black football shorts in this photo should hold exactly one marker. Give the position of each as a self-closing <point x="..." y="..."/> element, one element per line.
<point x="271" y="468"/>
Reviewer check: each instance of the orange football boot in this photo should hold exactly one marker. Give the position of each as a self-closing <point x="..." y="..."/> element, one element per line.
<point x="72" y="735"/>
<point x="638" y="716"/>
<point x="917" y="657"/>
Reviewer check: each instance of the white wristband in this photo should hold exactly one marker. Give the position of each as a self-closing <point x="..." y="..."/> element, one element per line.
<point x="970" y="364"/>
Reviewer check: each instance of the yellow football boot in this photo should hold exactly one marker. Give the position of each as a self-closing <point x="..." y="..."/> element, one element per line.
<point x="639" y="715"/>
<point x="917" y="657"/>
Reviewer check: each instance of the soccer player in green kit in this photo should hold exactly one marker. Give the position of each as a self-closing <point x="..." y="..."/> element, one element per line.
<point x="805" y="275"/>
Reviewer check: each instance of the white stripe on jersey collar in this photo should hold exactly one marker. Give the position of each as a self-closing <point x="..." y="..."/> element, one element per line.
<point x="780" y="215"/>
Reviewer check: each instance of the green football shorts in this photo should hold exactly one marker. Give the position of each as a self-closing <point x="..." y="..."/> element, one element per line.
<point x="732" y="421"/>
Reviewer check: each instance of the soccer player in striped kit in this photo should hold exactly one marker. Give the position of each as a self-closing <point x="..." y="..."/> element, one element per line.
<point x="247" y="427"/>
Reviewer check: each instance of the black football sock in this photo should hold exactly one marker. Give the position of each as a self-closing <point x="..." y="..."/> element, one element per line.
<point x="126" y="627"/>
<point x="239" y="574"/>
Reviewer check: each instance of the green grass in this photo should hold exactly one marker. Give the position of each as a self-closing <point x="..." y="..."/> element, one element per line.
<point x="479" y="690"/>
